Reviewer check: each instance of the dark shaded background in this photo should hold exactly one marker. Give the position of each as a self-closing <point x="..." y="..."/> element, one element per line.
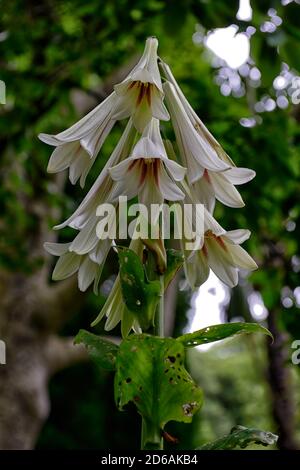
<point x="58" y="59"/>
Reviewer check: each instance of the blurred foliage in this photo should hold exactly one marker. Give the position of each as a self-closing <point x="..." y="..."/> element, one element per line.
<point x="51" y="48"/>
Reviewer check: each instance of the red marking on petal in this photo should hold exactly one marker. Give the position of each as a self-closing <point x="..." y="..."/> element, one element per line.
<point x="221" y="243"/>
<point x="148" y="94"/>
<point x="132" y="164"/>
<point x="141" y="94"/>
<point x="156" y="165"/>
<point x="206" y="176"/>
<point x="143" y="172"/>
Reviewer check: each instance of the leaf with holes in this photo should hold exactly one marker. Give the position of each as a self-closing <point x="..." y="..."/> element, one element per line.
<point x="140" y="295"/>
<point x="241" y="437"/>
<point x="103" y="352"/>
<point x="216" y="332"/>
<point x="151" y="374"/>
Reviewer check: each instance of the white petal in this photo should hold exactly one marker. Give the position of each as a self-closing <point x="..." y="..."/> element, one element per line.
<point x="50" y="139"/>
<point x="241" y="258"/>
<point x="86" y="239"/>
<point x="158" y="108"/>
<point x="194" y="145"/>
<point x="119" y="171"/>
<point x="116" y="312"/>
<point x="62" y="157"/>
<point x="102" y="185"/>
<point x="107" y="306"/>
<point x="147" y="68"/>
<point x="197" y="270"/>
<point x="93" y="141"/>
<point x="177" y="171"/>
<point x="80" y="164"/>
<point x="210" y="223"/>
<point x="88" y="122"/>
<point x="66" y="265"/>
<point x="239" y="175"/>
<point x="168" y="188"/>
<point x="221" y="263"/>
<point x="204" y="193"/>
<point x="237" y="236"/>
<point x="86" y="273"/>
<point x="225" y="192"/>
<point x="56" y="249"/>
<point x="141" y="115"/>
<point x="145" y="148"/>
<point x="99" y="254"/>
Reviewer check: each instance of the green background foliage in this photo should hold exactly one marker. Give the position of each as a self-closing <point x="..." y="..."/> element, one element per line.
<point x="54" y="55"/>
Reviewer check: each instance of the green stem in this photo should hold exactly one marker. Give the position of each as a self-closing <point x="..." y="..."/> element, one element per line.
<point x="151" y="438"/>
<point x="160" y="312"/>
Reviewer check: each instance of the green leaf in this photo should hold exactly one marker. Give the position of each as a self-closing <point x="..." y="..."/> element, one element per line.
<point x="103" y="352"/>
<point x="175" y="260"/>
<point x="140" y="295"/>
<point x="151" y="374"/>
<point x="217" y="332"/>
<point x="242" y="437"/>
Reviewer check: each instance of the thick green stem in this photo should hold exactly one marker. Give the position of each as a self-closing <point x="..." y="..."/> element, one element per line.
<point x="160" y="316"/>
<point x="151" y="438"/>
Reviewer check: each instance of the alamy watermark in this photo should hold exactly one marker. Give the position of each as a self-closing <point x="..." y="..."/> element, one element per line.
<point x="296" y="354"/>
<point x="152" y="221"/>
<point x="2" y="352"/>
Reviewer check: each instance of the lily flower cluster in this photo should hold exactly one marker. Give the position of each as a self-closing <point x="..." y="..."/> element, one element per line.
<point x="194" y="169"/>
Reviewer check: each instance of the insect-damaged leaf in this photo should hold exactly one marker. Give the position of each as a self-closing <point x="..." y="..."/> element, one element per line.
<point x="241" y="437"/>
<point x="151" y="374"/>
<point x="139" y="294"/>
<point x="103" y="352"/>
<point x="216" y="332"/>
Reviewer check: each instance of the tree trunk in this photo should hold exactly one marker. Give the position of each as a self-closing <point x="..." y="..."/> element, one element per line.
<point x="283" y="406"/>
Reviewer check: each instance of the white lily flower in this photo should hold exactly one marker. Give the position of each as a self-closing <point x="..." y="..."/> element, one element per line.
<point x="148" y="172"/>
<point x="223" y="255"/>
<point x="115" y="309"/>
<point x="103" y="185"/>
<point x="211" y="184"/>
<point x="78" y="146"/>
<point x="141" y="93"/>
<point x="89" y="266"/>
<point x="196" y="153"/>
<point x="195" y="222"/>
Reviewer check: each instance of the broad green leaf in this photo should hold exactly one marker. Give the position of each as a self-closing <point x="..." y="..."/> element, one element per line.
<point x="241" y="437"/>
<point x="103" y="352"/>
<point x="217" y="332"/>
<point x="151" y="374"/>
<point x="175" y="260"/>
<point x="140" y="295"/>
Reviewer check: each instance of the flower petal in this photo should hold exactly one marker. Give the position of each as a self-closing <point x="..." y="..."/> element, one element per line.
<point x="86" y="273"/>
<point x="168" y="187"/>
<point x="225" y="192"/>
<point x="103" y="183"/>
<point x="62" y="156"/>
<point x="241" y="258"/>
<point x="66" y="265"/>
<point x="221" y="263"/>
<point x="237" y="236"/>
<point x="239" y="175"/>
<point x="56" y="249"/>
<point x="177" y="171"/>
